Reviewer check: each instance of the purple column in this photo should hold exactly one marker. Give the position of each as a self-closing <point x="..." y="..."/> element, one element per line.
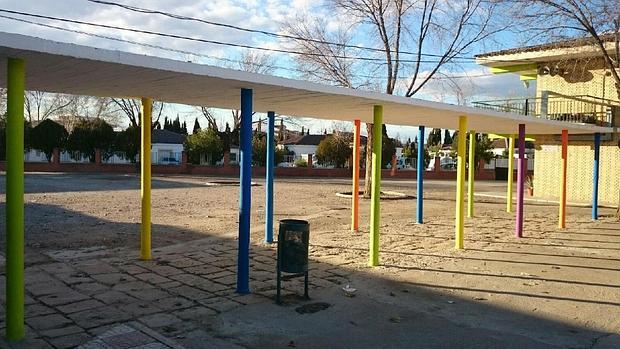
<point x="521" y="163"/>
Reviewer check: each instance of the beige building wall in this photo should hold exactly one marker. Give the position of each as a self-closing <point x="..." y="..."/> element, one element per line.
<point x="581" y="78"/>
<point x="547" y="170"/>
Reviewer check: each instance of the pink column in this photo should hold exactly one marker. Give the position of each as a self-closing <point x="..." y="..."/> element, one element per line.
<point x="521" y="163"/>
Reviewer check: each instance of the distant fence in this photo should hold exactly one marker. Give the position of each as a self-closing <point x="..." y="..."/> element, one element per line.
<point x="229" y="170"/>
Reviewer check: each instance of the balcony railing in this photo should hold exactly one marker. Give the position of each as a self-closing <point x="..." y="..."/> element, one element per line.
<point x="581" y="109"/>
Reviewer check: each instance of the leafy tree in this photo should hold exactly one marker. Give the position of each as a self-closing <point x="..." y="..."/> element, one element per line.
<point x="434" y="137"/>
<point x="446" y="28"/>
<point x="90" y="134"/>
<point x="388" y="148"/>
<point x="334" y="149"/>
<point x="204" y="142"/>
<point x="196" y="126"/>
<point x="259" y="151"/>
<point x="128" y="142"/>
<point x="409" y="149"/>
<point x="482" y="150"/>
<point x="47" y="135"/>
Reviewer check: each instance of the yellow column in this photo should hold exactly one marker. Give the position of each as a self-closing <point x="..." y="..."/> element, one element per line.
<point x="460" y="183"/>
<point x="511" y="169"/>
<point x="145" y="178"/>
<point x="470" y="175"/>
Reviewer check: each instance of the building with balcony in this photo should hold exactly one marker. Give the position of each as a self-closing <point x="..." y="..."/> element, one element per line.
<point x="572" y="84"/>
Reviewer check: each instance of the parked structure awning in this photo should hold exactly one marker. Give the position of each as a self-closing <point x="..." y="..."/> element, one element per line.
<point x="75" y="69"/>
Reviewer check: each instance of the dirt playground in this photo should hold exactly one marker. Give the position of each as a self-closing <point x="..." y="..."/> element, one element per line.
<point x="552" y="288"/>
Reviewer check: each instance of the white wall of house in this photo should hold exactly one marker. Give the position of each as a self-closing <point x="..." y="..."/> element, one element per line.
<point x="300" y="149"/>
<point x="34" y="155"/>
<point x="161" y="154"/>
<point x="166" y="154"/>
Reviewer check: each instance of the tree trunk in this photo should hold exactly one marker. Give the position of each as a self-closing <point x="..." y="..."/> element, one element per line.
<point x="368" y="176"/>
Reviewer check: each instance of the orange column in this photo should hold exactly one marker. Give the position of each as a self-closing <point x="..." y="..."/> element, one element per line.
<point x="356" y="178"/>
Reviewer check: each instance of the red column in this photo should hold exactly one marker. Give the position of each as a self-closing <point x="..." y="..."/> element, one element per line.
<point x="393" y="172"/>
<point x="98" y="156"/>
<point x="56" y="156"/>
<point x="226" y="158"/>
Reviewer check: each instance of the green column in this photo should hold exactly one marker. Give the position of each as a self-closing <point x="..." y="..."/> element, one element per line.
<point x="375" y="206"/>
<point x="15" y="200"/>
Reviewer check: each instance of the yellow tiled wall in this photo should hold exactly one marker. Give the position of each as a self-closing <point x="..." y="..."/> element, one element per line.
<point x="547" y="167"/>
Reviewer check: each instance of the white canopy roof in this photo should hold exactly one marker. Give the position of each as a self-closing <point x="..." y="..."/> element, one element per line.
<point x="68" y="68"/>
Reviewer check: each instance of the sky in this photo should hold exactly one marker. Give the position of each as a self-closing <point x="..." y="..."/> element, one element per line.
<point x="268" y="15"/>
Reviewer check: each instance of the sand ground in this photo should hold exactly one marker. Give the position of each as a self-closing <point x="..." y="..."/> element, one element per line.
<point x="551" y="289"/>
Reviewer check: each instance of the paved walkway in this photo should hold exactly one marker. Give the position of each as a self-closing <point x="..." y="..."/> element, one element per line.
<point x="100" y="298"/>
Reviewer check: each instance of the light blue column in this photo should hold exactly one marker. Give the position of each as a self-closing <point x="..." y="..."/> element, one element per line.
<point x="420" y="173"/>
<point x="269" y="177"/>
<point x="597" y="154"/>
<point x="245" y="192"/>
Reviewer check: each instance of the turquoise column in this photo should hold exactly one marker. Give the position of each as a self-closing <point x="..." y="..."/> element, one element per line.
<point x="597" y="155"/>
<point x="420" y="177"/>
<point x="16" y="86"/>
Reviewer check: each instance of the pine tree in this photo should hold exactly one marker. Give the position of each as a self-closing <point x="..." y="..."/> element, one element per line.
<point x="196" y="126"/>
<point x="447" y="139"/>
<point x="176" y="124"/>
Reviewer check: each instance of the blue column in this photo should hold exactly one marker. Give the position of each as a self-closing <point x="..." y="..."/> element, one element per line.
<point x="269" y="177"/>
<point x="420" y="172"/>
<point x="245" y="192"/>
<point x="597" y="154"/>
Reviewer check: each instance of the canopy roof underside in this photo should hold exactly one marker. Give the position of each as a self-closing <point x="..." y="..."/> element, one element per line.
<point x="68" y="68"/>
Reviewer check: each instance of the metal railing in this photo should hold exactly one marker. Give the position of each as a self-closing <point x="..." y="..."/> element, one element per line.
<point x="583" y="109"/>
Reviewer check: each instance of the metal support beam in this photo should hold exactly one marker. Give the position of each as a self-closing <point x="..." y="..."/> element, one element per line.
<point x="597" y="155"/>
<point x="270" y="169"/>
<point x="16" y="77"/>
<point x="375" y="205"/>
<point x="355" y="189"/>
<point x="420" y="177"/>
<point x="511" y="171"/>
<point x="471" y="173"/>
<point x="460" y="183"/>
<point x="145" y="178"/>
<point x="521" y="162"/>
<point x="562" y="213"/>
<point x="245" y="192"/>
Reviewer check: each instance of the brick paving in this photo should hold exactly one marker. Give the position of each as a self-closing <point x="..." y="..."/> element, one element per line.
<point x="110" y="299"/>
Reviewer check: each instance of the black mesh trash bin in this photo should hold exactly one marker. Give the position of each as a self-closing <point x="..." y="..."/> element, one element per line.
<point x="293" y="241"/>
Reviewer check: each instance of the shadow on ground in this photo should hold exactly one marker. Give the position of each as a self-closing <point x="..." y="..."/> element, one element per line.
<point x="187" y="294"/>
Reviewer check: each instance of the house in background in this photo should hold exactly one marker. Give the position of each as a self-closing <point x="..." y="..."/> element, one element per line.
<point x="573" y="84"/>
<point x="303" y="145"/>
<point x="167" y="147"/>
<point x="300" y="147"/>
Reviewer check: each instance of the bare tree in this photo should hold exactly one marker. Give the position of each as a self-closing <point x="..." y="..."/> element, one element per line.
<point x="255" y="62"/>
<point x="42" y="105"/>
<point x="446" y="29"/>
<point x="576" y="23"/>
<point x="132" y="108"/>
<point x="210" y="116"/>
<point x="249" y="61"/>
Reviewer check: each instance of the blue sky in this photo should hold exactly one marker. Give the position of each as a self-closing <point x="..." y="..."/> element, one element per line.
<point x="258" y="14"/>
